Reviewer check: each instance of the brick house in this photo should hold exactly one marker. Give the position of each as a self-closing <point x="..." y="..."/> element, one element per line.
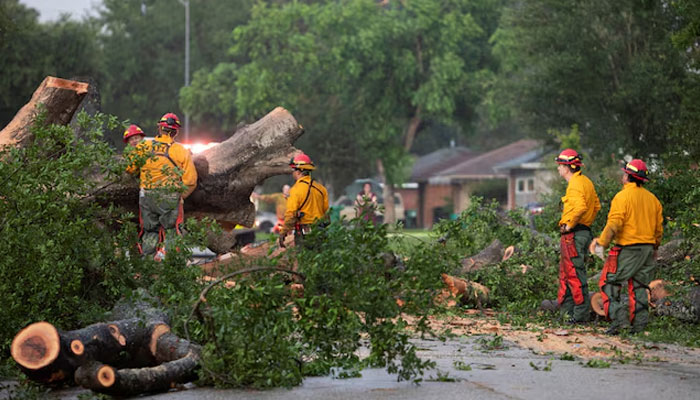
<point x="430" y="197"/>
<point x="529" y="177"/>
<point x="447" y="178"/>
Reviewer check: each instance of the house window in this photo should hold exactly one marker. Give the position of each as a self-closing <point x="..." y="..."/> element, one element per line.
<point x="525" y="185"/>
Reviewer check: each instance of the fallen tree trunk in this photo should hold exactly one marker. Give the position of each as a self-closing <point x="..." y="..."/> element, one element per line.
<point x="154" y="357"/>
<point x="492" y="254"/>
<point x="60" y="99"/>
<point x="227" y="172"/>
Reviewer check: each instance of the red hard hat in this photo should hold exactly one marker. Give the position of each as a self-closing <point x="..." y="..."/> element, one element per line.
<point x="133" y="130"/>
<point x="169" y="120"/>
<point x="302" y="161"/>
<point x="637" y="168"/>
<point x="569" y="157"/>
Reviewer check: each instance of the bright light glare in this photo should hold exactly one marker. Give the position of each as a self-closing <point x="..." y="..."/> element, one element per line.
<point x="197" y="148"/>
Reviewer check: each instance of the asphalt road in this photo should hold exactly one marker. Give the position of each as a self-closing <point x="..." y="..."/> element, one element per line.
<point x="507" y="373"/>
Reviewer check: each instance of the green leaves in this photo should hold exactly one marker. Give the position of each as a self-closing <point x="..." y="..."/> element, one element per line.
<point x="609" y="67"/>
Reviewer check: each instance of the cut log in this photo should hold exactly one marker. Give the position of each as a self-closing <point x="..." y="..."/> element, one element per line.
<point x="47" y="355"/>
<point x="509" y="252"/>
<point x="227" y="241"/>
<point x="658" y="290"/>
<point x="492" y="254"/>
<point x="177" y="361"/>
<point x="60" y="99"/>
<point x="466" y="292"/>
<point x="138" y="354"/>
<point x="597" y="304"/>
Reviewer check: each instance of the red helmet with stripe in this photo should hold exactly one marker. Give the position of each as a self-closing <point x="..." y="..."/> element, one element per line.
<point x="569" y="157"/>
<point x="133" y="130"/>
<point x="170" y="121"/>
<point x="302" y="162"/>
<point x="638" y="169"/>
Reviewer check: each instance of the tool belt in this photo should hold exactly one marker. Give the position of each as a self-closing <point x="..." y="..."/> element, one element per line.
<point x="578" y="227"/>
<point x="302" y="229"/>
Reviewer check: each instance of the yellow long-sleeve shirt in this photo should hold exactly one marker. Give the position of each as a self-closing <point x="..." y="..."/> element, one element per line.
<point x="581" y="203"/>
<point x="157" y="171"/>
<point x="314" y="208"/>
<point x="635" y="217"/>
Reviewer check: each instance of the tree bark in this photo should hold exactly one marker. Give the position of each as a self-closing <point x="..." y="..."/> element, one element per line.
<point x="685" y="308"/>
<point x="492" y="254"/>
<point x="178" y="361"/>
<point x="60" y="99"/>
<point x="671" y="252"/>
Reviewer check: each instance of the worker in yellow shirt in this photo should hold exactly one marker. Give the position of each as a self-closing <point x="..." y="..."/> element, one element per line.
<point x="581" y="205"/>
<point x="635" y="224"/>
<point x="307" y="201"/>
<point x="167" y="176"/>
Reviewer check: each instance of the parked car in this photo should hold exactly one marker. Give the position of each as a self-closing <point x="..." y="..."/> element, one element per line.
<point x="265" y="221"/>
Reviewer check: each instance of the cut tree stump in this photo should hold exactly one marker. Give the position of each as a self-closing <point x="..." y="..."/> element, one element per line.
<point x="60" y="98"/>
<point x="128" y="356"/>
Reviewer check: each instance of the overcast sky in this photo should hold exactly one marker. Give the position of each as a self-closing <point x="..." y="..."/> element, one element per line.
<point x="50" y="10"/>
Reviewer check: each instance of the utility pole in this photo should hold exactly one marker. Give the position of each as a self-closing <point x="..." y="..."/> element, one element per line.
<point x="186" y="3"/>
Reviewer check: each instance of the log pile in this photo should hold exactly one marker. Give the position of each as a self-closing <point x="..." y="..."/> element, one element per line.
<point x="131" y="355"/>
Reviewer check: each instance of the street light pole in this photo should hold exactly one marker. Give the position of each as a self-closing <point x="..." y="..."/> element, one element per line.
<point x="186" y="3"/>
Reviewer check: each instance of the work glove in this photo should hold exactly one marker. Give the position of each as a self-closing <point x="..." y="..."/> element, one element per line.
<point x="596" y="249"/>
<point x="564" y="228"/>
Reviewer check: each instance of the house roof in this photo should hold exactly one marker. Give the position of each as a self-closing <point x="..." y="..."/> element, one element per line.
<point x="483" y="165"/>
<point x="534" y="159"/>
<point x="430" y="164"/>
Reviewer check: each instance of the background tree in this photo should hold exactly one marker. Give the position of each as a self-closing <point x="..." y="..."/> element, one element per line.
<point x="144" y="50"/>
<point x="608" y="66"/>
<point x="31" y="51"/>
<point x="363" y="78"/>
